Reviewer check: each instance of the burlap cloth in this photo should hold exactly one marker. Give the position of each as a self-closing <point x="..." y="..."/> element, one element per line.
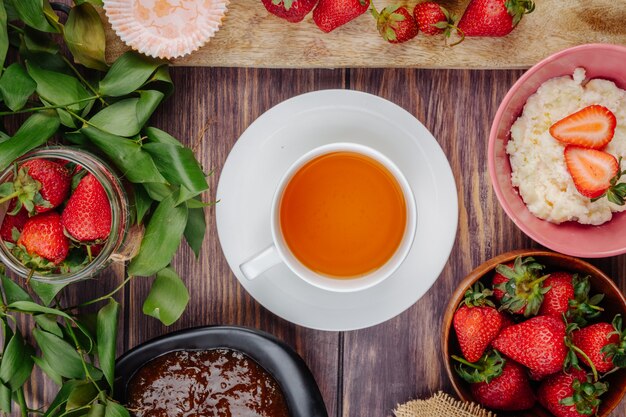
<point x="441" y="405"/>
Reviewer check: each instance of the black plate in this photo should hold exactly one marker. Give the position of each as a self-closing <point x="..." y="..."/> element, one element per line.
<point x="294" y="377"/>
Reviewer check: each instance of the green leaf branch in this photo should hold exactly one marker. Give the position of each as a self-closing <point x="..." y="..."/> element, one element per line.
<point x="81" y="100"/>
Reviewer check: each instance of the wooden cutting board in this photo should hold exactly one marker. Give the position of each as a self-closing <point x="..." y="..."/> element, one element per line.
<point x="251" y="37"/>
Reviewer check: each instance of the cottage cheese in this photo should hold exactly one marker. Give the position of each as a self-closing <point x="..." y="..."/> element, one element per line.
<point x="538" y="166"/>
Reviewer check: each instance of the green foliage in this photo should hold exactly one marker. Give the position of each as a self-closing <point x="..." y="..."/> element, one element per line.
<point x="168" y="297"/>
<point x="78" y="100"/>
<point x="85" y="37"/>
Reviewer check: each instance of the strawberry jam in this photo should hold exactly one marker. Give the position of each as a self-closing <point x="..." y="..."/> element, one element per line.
<point x="211" y="383"/>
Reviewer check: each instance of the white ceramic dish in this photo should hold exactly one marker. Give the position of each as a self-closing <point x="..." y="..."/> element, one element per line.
<point x="270" y="146"/>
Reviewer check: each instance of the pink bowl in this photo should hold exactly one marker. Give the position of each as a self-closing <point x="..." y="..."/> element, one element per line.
<point x="571" y="238"/>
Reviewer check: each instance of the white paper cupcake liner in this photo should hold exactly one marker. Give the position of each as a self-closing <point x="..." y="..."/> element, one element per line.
<point x="165" y="28"/>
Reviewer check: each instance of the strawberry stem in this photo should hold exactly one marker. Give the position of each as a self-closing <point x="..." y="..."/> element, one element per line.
<point x="9" y="197"/>
<point x="460" y="33"/>
<point x="538" y="281"/>
<point x="465" y="362"/>
<point x="576" y="349"/>
<point x="89" y="255"/>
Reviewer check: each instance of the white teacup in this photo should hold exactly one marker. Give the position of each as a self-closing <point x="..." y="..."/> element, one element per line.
<point x="278" y="252"/>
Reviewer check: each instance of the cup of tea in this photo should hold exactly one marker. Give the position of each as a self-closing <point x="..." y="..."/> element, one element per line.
<point x="343" y="219"/>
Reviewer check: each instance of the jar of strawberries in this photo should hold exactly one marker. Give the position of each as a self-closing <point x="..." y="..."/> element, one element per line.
<point x="64" y="215"/>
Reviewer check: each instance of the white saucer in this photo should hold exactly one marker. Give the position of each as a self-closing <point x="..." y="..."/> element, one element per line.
<point x="285" y="132"/>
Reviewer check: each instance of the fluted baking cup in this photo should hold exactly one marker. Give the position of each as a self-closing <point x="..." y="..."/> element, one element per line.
<point x="165" y="28"/>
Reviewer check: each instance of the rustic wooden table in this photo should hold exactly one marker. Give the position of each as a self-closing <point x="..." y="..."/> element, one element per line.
<point x="362" y="373"/>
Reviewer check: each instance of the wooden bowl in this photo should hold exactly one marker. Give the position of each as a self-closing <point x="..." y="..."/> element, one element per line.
<point x="613" y="303"/>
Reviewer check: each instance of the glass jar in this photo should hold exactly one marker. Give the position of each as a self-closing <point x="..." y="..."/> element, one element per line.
<point x="120" y="214"/>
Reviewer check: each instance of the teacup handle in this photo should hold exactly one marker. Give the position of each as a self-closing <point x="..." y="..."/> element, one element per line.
<point x="260" y="262"/>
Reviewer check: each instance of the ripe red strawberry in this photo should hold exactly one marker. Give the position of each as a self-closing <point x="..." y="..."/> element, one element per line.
<point x="395" y="24"/>
<point x="87" y="215"/>
<point x="537" y="343"/>
<point x="519" y="286"/>
<point x="602" y="343"/>
<point x="290" y="10"/>
<point x="496" y="382"/>
<point x="39" y="185"/>
<point x="476" y="322"/>
<point x="493" y="17"/>
<point x="12" y="223"/>
<point x="592" y="127"/>
<point x="434" y="19"/>
<point x="595" y="173"/>
<point x="42" y="237"/>
<point x="570" y="394"/>
<point x="582" y="307"/>
<point x="330" y="14"/>
<point x="499" y="279"/>
<point x="510" y="391"/>
<point x="561" y="291"/>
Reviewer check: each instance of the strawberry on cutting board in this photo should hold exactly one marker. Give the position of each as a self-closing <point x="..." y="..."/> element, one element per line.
<point x="497" y="383"/>
<point x="395" y="24"/>
<point x="434" y="19"/>
<point x="330" y="14"/>
<point x="291" y="10"/>
<point x="493" y="17"/>
<point x="537" y="343"/>
<point x="42" y="244"/>
<point x="476" y="322"/>
<point x="571" y="394"/>
<point x="595" y="173"/>
<point x="592" y="127"/>
<point x="87" y="215"/>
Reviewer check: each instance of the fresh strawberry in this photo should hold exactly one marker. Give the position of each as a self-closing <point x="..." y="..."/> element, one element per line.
<point x="42" y="244"/>
<point x="499" y="279"/>
<point x="560" y="292"/>
<point x="595" y="173"/>
<point x="39" y="185"/>
<point x="434" y="19"/>
<point x="601" y="346"/>
<point x="592" y="127"/>
<point x="583" y="307"/>
<point x="87" y="215"/>
<point x="13" y="223"/>
<point x="497" y="383"/>
<point x="330" y="14"/>
<point x="507" y="321"/>
<point x="537" y="343"/>
<point x="476" y="322"/>
<point x="395" y="24"/>
<point x="616" y="352"/>
<point x="493" y="17"/>
<point x="571" y="394"/>
<point x="590" y="341"/>
<point x="519" y="286"/>
<point x="290" y="10"/>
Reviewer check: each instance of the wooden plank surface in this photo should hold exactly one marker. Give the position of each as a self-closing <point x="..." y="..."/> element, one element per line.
<point x="368" y="372"/>
<point x="251" y="37"/>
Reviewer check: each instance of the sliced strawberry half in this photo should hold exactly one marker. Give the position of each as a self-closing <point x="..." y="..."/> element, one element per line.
<point x="595" y="173"/>
<point x="592" y="127"/>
